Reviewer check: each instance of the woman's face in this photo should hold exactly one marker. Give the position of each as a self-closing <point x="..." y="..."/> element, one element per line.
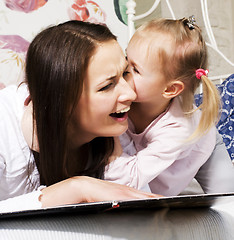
<point x="106" y="97"/>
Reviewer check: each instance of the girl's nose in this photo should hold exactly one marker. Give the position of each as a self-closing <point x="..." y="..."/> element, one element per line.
<point x="126" y="92"/>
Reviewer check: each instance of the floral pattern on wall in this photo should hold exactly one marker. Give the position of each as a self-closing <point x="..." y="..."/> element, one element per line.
<point x="25" y="6"/>
<point x="21" y="20"/>
<point x="86" y="11"/>
<point x="12" y="54"/>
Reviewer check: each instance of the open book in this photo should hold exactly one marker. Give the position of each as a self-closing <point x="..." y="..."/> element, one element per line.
<point x="184" y="201"/>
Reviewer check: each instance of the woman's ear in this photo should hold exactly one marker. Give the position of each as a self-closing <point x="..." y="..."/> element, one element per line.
<point x="173" y="89"/>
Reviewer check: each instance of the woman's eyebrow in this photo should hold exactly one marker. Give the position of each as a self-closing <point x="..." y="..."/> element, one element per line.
<point x="111" y="77"/>
<point x="124" y="68"/>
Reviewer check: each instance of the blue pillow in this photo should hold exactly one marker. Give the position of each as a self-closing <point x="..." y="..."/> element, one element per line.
<point x="225" y="125"/>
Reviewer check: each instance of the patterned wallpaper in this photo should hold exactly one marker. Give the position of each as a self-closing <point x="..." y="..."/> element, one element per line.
<point x="21" y="20"/>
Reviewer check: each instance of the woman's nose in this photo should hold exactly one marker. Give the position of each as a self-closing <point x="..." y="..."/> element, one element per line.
<point x="126" y="92"/>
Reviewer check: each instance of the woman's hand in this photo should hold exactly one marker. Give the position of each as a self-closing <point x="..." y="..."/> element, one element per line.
<point x="87" y="189"/>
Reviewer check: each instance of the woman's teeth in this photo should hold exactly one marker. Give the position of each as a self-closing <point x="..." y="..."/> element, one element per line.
<point x="120" y="114"/>
<point x="124" y="110"/>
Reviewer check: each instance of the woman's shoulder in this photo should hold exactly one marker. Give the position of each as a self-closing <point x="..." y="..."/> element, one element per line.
<point x="12" y="99"/>
<point x="11" y="91"/>
<point x="11" y="111"/>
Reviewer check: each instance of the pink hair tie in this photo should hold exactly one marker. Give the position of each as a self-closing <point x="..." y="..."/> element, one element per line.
<point x="200" y="72"/>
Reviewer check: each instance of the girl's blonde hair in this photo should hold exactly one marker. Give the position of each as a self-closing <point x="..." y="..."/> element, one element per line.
<point x="189" y="54"/>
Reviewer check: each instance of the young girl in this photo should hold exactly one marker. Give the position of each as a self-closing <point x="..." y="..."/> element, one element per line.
<point x="62" y="133"/>
<point x="171" y="138"/>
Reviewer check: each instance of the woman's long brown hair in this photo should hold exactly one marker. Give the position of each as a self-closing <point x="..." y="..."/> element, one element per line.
<point x="56" y="65"/>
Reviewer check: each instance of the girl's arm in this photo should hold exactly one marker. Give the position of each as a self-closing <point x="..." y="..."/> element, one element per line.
<point x="137" y="168"/>
<point x="165" y="151"/>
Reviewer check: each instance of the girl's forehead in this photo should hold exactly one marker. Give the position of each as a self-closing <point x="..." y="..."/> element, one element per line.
<point x="148" y="49"/>
<point x="142" y="45"/>
<point x="138" y="46"/>
<point x="152" y="43"/>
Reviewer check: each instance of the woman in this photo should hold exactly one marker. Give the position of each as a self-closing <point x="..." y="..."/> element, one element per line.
<point x="78" y="102"/>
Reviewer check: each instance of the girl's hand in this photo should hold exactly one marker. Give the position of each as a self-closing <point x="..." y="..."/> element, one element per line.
<point x="87" y="189"/>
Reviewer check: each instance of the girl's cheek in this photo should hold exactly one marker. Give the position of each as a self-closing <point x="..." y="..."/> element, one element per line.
<point x="135" y="79"/>
<point x="131" y="83"/>
<point x="137" y="87"/>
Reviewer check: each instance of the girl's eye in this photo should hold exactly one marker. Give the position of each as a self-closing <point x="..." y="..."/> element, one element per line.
<point x="105" y="88"/>
<point x="135" y="70"/>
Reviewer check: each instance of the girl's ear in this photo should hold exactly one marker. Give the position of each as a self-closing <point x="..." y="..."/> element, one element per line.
<point x="173" y="89"/>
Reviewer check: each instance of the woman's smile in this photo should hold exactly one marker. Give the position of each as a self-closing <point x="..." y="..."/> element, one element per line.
<point x="121" y="115"/>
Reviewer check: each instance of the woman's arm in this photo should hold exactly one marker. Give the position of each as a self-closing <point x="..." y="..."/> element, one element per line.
<point x="71" y="191"/>
<point x="87" y="189"/>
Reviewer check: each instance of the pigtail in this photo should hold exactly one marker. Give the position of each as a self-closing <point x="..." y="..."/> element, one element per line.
<point x="211" y="105"/>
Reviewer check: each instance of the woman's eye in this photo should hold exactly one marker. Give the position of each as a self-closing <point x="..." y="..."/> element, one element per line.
<point x="108" y="86"/>
<point x="125" y="73"/>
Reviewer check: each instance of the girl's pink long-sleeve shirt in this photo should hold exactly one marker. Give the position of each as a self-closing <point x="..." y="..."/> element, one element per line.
<point x="160" y="157"/>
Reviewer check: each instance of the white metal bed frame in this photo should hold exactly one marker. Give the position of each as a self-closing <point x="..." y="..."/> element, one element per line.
<point x="131" y="5"/>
